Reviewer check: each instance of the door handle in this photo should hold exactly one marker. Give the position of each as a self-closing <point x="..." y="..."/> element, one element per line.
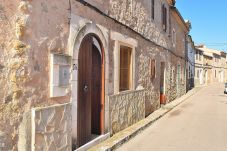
<point x="85" y="88"/>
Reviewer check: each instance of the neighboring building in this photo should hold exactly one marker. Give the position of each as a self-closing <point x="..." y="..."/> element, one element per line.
<point x="75" y="71"/>
<point x="207" y="67"/>
<point x="213" y="66"/>
<point x="190" y="63"/>
<point x="179" y="32"/>
<point x="198" y="67"/>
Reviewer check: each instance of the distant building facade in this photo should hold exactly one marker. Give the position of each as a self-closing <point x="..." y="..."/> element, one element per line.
<point x="210" y="66"/>
<point x="198" y="67"/>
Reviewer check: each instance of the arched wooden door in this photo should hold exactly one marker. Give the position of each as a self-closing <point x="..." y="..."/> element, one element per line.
<point x="90" y="90"/>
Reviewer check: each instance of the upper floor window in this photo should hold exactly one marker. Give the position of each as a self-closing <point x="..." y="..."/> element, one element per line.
<point x="200" y="56"/>
<point x="196" y="55"/>
<point x="152" y="9"/>
<point x="174" y="37"/>
<point x="164" y="17"/>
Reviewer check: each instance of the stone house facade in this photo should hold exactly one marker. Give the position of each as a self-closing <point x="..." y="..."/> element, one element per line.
<point x="73" y="72"/>
<point x="213" y="66"/>
<point x="207" y="62"/>
<point x="190" y="63"/>
<point x="179" y="31"/>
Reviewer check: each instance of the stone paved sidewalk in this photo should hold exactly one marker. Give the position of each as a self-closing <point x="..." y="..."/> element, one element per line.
<point x="120" y="138"/>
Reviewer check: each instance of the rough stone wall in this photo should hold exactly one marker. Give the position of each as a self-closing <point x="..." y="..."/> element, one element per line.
<point x="171" y="82"/>
<point x="152" y="86"/>
<point x="49" y="34"/>
<point x="25" y="43"/>
<point x="13" y="70"/>
<point x="51" y="128"/>
<point x="136" y="15"/>
<point x="126" y="109"/>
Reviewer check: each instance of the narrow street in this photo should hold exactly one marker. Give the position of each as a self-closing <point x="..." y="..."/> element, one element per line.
<point x="198" y="124"/>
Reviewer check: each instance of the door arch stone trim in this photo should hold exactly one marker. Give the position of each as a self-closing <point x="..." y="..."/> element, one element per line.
<point x="76" y="37"/>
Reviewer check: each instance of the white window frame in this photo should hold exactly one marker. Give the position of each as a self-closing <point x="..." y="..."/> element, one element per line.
<point x="56" y="89"/>
<point x="122" y="40"/>
<point x="131" y="68"/>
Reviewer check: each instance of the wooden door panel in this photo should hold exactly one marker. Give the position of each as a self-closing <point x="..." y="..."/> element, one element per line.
<point x="96" y="91"/>
<point x="90" y="73"/>
<point x="84" y="95"/>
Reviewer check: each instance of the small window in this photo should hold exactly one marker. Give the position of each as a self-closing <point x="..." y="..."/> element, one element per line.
<point x="152" y="9"/>
<point x="164" y="18"/>
<point x="125" y="68"/>
<point x="197" y="55"/>
<point x="200" y="56"/>
<point x="153" y="68"/>
<point x="174" y="38"/>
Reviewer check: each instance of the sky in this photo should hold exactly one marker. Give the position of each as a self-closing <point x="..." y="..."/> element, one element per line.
<point x="208" y="19"/>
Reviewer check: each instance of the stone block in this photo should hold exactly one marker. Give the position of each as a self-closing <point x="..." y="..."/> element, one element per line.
<point x="126" y="109"/>
<point x="51" y="128"/>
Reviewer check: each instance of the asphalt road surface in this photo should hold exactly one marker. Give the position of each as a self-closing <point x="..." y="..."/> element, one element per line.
<point x="198" y="124"/>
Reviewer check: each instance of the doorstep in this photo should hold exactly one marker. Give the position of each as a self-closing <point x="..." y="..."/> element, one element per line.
<point x="94" y="142"/>
<point x="125" y="135"/>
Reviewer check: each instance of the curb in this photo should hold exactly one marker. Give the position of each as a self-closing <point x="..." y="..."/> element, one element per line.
<point x="125" y="135"/>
